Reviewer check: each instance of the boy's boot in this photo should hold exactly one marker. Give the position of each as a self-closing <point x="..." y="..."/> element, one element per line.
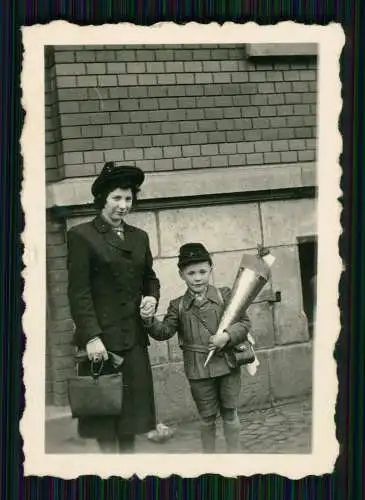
<point x="232" y="435"/>
<point x="208" y="436"/>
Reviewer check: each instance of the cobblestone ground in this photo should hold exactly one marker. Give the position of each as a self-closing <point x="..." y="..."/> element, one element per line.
<point x="282" y="429"/>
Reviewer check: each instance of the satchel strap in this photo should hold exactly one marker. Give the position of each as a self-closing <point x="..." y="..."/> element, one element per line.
<point x="195" y="348"/>
<point x="220" y="297"/>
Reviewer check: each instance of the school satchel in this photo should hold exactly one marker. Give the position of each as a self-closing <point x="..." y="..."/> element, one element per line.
<point x="96" y="395"/>
<point x="244" y="353"/>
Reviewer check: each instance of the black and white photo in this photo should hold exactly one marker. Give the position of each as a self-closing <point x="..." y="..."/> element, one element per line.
<point x="184" y="193"/>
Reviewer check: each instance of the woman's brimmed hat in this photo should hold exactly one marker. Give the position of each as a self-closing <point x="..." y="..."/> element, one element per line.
<point x="192" y="253"/>
<point x="112" y="175"/>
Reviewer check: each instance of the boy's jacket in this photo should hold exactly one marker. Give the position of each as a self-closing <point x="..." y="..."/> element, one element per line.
<point x="194" y="336"/>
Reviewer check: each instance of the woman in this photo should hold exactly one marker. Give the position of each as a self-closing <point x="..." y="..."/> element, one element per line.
<point x="110" y="281"/>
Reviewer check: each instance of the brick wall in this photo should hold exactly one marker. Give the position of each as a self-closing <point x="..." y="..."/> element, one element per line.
<point x="53" y="146"/>
<point x="59" y="358"/>
<point x="178" y="107"/>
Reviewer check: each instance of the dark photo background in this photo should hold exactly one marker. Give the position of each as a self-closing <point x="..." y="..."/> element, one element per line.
<point x="347" y="480"/>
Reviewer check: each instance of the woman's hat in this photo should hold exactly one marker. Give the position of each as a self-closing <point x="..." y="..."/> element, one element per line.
<point x="114" y="175"/>
<point x="192" y="253"/>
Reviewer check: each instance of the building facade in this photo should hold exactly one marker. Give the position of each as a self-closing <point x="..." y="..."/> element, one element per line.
<point x="227" y="137"/>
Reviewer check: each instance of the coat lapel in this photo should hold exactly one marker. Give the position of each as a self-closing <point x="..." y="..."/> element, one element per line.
<point x="111" y="237"/>
<point x="188" y="299"/>
<point x="212" y="295"/>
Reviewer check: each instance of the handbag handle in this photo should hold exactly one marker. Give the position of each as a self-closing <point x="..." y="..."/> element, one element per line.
<point x="116" y="360"/>
<point x="96" y="374"/>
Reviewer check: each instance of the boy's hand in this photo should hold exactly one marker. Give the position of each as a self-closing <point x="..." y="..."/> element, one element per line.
<point x="219" y="341"/>
<point x="148" y="307"/>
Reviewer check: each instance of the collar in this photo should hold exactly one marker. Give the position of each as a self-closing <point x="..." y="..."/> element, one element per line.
<point x="111" y="237"/>
<point x="103" y="226"/>
<point x="211" y="295"/>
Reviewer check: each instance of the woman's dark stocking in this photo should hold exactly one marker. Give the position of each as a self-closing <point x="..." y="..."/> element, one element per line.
<point x="126" y="444"/>
<point x="108" y="445"/>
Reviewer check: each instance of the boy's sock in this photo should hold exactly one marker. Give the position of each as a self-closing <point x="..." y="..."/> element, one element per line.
<point x="208" y="434"/>
<point x="231" y="428"/>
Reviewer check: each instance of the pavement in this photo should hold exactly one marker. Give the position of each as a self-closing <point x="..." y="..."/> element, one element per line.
<point x="284" y="428"/>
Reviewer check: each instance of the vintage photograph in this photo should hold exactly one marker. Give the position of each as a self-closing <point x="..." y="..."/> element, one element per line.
<point x="221" y="140"/>
<point x="181" y="244"/>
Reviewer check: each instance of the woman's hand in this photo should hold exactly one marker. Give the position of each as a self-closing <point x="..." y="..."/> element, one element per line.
<point x="148" y="307"/>
<point x="96" y="350"/>
<point x="219" y="341"/>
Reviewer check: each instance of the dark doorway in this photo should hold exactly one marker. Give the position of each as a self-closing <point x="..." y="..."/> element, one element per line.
<point x="308" y="269"/>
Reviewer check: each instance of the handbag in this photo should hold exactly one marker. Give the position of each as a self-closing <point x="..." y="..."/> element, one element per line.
<point x="96" y="395"/>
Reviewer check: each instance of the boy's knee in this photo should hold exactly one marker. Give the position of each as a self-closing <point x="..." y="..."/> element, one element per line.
<point x="229" y="414"/>
<point x="209" y="420"/>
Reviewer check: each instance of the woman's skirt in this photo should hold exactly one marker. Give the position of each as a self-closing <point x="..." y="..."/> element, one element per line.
<point x="138" y="414"/>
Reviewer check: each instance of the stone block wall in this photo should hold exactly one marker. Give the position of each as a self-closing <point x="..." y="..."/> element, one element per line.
<point x="176" y="108"/>
<point x="280" y="330"/>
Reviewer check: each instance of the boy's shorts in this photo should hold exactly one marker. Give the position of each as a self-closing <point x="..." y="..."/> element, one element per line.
<point x="211" y="394"/>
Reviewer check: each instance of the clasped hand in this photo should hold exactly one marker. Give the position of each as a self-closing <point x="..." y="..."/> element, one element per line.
<point x="148" y="307"/>
<point x="218" y="341"/>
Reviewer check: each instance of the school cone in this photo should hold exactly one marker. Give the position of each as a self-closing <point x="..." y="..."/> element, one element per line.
<point x="253" y="273"/>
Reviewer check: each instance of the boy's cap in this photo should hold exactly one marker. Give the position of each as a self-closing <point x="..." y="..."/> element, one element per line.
<point x="191" y="253"/>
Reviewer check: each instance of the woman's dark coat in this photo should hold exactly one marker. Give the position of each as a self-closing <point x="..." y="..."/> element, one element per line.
<point x="108" y="277"/>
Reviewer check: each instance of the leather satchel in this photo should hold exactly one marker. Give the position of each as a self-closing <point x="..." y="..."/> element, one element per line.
<point x="244" y="353"/>
<point x="96" y="395"/>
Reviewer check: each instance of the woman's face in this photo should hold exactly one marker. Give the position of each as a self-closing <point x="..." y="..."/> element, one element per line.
<point x="118" y="203"/>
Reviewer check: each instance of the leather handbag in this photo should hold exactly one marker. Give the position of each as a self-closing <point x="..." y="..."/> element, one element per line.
<point x="96" y="395"/>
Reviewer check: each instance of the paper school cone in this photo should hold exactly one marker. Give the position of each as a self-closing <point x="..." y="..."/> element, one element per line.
<point x="253" y="273"/>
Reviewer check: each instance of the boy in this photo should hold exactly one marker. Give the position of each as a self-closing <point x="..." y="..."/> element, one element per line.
<point x="196" y="316"/>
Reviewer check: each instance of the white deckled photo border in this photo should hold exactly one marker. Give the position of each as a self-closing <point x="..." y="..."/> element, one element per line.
<point x="325" y="448"/>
